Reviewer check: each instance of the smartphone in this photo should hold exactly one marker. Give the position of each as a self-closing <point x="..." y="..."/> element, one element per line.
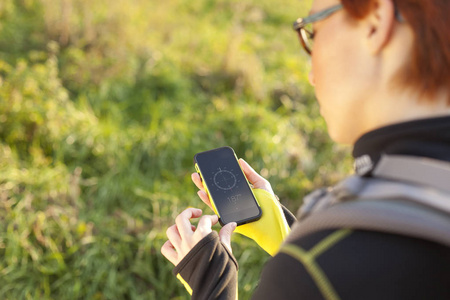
<point x="227" y="187"/>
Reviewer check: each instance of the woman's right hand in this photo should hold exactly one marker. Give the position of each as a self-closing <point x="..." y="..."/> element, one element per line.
<point x="254" y="178"/>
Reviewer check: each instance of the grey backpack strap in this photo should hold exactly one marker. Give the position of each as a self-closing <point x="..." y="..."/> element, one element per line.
<point x="377" y="188"/>
<point x="417" y="170"/>
<point x="384" y="215"/>
<point x="409" y="196"/>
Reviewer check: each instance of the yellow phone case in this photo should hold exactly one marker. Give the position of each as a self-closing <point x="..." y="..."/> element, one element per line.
<point x="272" y="228"/>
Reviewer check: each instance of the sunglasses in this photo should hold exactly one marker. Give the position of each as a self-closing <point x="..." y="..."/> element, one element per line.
<point x="304" y="29"/>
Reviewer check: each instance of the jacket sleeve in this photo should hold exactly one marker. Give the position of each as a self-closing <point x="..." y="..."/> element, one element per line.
<point x="209" y="270"/>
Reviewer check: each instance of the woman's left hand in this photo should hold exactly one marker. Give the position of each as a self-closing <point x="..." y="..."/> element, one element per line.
<point x="183" y="236"/>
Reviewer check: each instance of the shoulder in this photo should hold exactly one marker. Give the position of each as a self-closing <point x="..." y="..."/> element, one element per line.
<point x="358" y="264"/>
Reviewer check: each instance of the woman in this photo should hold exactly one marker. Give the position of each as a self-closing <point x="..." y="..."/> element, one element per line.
<point x="380" y="69"/>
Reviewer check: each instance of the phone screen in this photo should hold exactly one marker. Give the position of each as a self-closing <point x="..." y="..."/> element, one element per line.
<point x="227" y="186"/>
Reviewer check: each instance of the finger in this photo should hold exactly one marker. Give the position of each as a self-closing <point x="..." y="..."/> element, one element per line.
<point x="207" y="221"/>
<point x="214" y="219"/>
<point x="204" y="225"/>
<point x="204" y="197"/>
<point x="197" y="181"/>
<point x="169" y="252"/>
<point x="249" y="172"/>
<point x="254" y="178"/>
<point x="225" y="234"/>
<point x="174" y="236"/>
<point x="183" y="221"/>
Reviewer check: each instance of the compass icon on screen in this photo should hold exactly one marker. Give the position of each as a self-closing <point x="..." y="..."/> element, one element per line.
<point x="224" y="179"/>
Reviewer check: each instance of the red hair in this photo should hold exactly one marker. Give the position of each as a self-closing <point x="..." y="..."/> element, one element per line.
<point x="429" y="68"/>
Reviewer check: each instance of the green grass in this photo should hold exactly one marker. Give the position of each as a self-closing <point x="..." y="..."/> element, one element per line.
<point x="103" y="105"/>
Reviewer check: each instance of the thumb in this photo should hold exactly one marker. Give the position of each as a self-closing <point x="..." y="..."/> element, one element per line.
<point x="254" y="178"/>
<point x="225" y="234"/>
<point x="250" y="173"/>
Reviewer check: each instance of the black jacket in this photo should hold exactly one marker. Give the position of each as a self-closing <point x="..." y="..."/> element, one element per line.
<point x="342" y="264"/>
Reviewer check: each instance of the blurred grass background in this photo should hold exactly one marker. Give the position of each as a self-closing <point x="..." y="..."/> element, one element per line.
<point x="103" y="105"/>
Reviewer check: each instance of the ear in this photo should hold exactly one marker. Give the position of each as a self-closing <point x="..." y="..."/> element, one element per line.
<point x="380" y="23"/>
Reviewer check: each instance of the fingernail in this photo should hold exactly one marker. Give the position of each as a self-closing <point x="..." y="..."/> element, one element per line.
<point x="233" y="226"/>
